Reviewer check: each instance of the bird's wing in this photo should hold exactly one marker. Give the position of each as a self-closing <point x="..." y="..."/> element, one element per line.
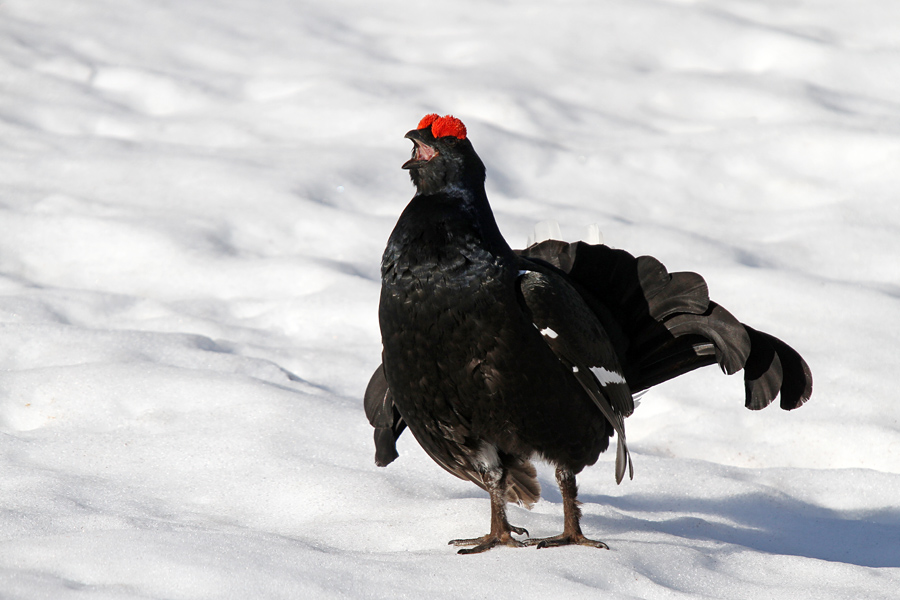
<point x="384" y="417"/>
<point x="577" y="338"/>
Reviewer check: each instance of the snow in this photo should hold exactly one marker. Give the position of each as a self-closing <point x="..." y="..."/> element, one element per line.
<point x="194" y="197"/>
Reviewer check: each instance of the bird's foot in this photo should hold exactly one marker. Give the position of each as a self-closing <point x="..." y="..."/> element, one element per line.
<point x="481" y="544"/>
<point x="565" y="540"/>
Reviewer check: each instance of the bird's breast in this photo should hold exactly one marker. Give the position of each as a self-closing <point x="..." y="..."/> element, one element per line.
<point x="443" y="307"/>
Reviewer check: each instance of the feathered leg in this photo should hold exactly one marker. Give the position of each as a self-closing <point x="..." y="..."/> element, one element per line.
<point x="501" y="531"/>
<point x="572" y="514"/>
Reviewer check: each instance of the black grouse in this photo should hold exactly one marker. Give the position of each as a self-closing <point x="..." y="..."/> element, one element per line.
<point x="494" y="356"/>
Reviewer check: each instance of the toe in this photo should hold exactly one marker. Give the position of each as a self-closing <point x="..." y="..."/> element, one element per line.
<point x="565" y="540"/>
<point x="466" y="542"/>
<point x="486" y="543"/>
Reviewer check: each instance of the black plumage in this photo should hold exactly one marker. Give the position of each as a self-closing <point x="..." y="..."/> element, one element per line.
<point x="494" y="356"/>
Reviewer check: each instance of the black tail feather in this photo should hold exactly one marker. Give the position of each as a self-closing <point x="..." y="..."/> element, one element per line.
<point x="671" y="293"/>
<point x="775" y="367"/>
<point x="729" y="339"/>
<point x="763" y="375"/>
<point x="676" y="357"/>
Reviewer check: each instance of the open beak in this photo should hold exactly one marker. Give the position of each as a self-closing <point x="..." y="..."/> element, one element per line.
<point x="421" y="154"/>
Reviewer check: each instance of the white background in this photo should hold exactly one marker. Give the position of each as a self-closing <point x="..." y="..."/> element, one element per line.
<point x="194" y="197"/>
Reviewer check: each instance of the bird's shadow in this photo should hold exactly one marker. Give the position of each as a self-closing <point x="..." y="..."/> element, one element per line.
<point x="775" y="525"/>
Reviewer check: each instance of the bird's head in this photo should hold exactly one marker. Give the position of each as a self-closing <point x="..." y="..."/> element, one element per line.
<point x="442" y="156"/>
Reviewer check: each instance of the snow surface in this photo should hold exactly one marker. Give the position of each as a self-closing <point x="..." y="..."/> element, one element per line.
<point x="194" y="197"/>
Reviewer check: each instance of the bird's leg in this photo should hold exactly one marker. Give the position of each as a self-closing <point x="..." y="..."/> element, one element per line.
<point x="572" y="515"/>
<point x="501" y="531"/>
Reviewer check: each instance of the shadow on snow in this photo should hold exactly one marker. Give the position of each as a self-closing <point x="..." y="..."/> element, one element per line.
<point x="775" y="525"/>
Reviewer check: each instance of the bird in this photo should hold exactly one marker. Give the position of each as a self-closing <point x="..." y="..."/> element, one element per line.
<point x="495" y="357"/>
